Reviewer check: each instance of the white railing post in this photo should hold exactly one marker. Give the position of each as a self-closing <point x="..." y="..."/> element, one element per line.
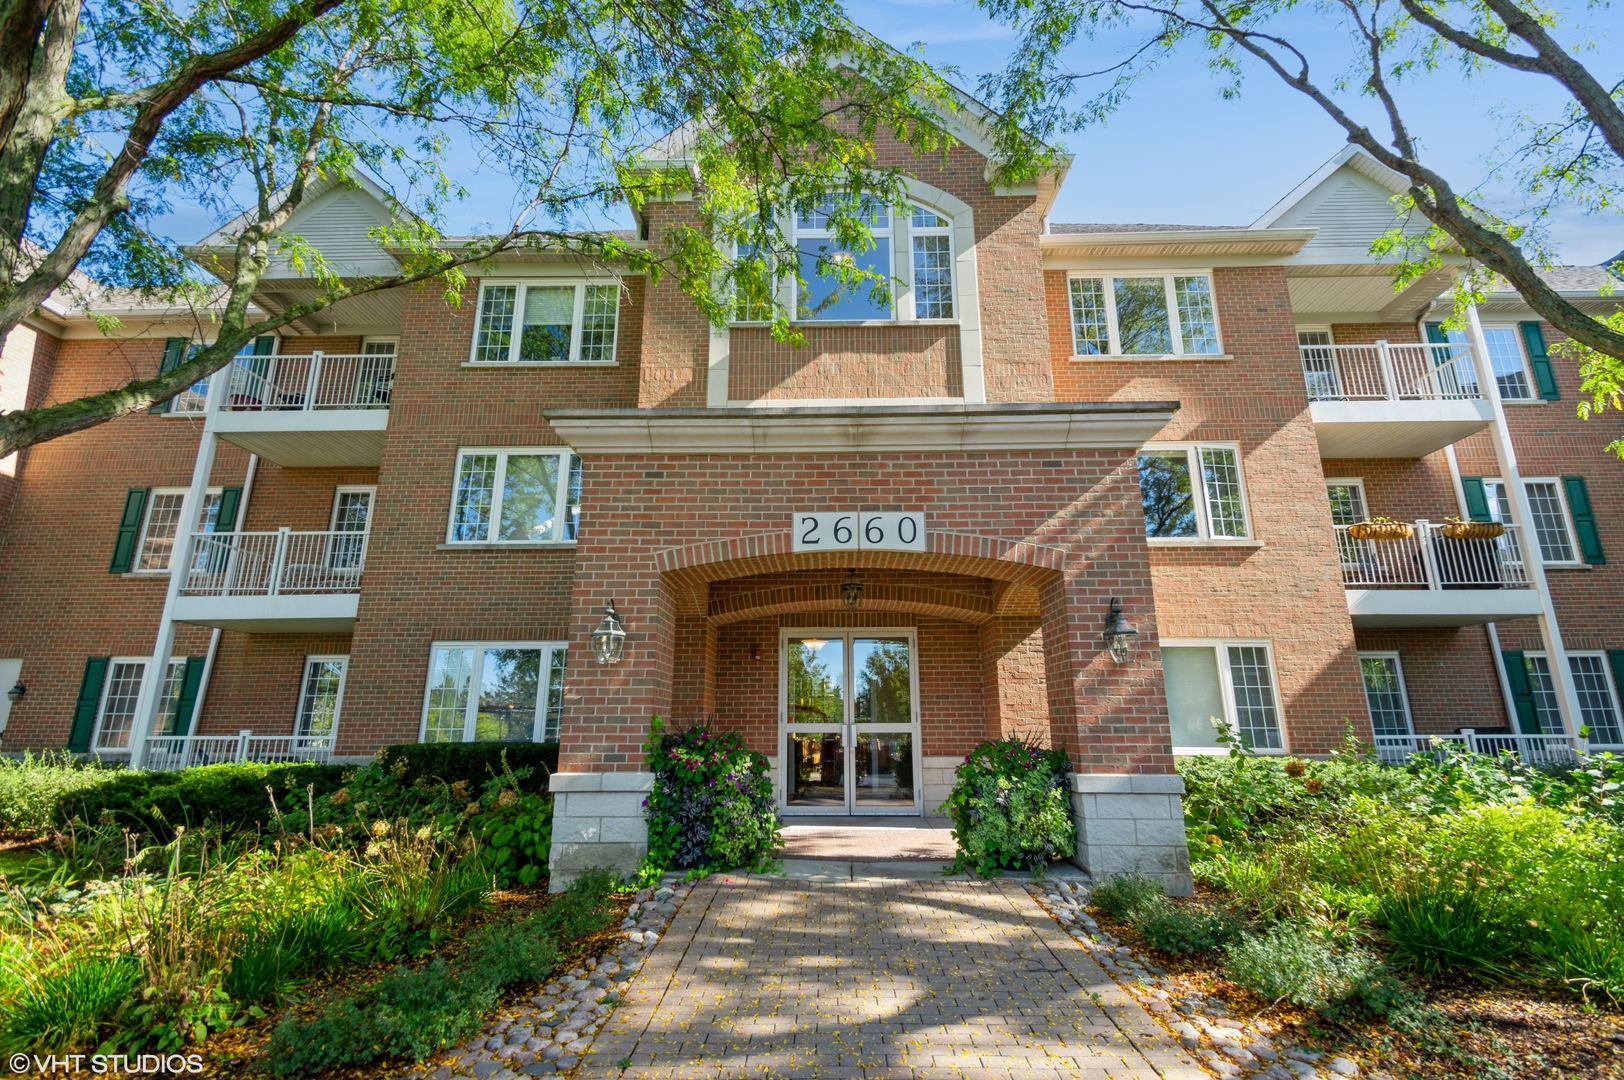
<point x="242" y="744"/>
<point x="1429" y="554"/>
<point x="313" y="380"/>
<point x="274" y="586"/>
<point x="1470" y="734"/>
<point x="1389" y="379"/>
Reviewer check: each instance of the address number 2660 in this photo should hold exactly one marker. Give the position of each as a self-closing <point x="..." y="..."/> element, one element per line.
<point x="854" y="531"/>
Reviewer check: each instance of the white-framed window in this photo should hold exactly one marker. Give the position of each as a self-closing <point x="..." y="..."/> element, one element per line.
<point x="1193" y="491"/>
<point x="1385" y="694"/>
<point x="546" y="322"/>
<point x="121" y="694"/>
<point x="351" y="523"/>
<point x="161" y="522"/>
<point x="1229" y="681"/>
<point x="1548" y="505"/>
<point x="1347" y="497"/>
<point x="1144" y="314"/>
<point x="379" y="346"/>
<point x="516" y="496"/>
<point x="1315" y="343"/>
<point x="321" y="696"/>
<point x="823" y="298"/>
<point x="1507" y="360"/>
<point x="931" y="236"/>
<point x="1599" y="700"/>
<point x="479" y="691"/>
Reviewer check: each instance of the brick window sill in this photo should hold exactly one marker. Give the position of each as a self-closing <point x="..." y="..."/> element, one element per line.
<point x="1134" y="358"/>
<point x="508" y="545"/>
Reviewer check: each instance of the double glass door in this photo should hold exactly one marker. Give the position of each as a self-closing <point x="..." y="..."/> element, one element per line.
<point x="849" y="722"/>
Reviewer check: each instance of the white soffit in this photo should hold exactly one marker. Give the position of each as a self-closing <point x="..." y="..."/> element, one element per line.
<point x="1192" y="243"/>
<point x="887" y="430"/>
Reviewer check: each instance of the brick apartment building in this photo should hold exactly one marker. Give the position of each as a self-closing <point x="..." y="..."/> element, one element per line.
<point x="403" y="520"/>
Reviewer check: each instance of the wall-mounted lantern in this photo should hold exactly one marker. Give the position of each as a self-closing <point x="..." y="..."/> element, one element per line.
<point x="17" y="692"/>
<point x="610" y="637"/>
<point x="1119" y="637"/>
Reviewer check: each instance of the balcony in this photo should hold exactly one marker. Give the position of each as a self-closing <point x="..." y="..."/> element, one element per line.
<point x="319" y="410"/>
<point x="168" y="753"/>
<point x="1386" y="400"/>
<point x="1430" y="579"/>
<point x="281" y="582"/>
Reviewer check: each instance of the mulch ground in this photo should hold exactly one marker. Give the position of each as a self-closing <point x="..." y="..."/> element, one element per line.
<point x="1512" y="1032"/>
<point x="241" y="1051"/>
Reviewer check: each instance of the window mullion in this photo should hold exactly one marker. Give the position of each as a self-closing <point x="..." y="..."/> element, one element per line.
<point x="1198" y="478"/>
<point x="575" y="324"/>
<point x="471" y="710"/>
<point x="498" y="482"/>
<point x="1114" y="338"/>
<point x="516" y="322"/>
<point x="1170" y="295"/>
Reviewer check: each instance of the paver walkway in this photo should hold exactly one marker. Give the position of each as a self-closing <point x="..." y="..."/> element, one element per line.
<point x="766" y="977"/>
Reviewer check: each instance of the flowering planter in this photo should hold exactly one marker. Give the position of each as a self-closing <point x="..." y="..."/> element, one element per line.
<point x="1381" y="530"/>
<point x="1474" y="530"/>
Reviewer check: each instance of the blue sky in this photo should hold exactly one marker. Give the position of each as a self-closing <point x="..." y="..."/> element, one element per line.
<point x="1178" y="153"/>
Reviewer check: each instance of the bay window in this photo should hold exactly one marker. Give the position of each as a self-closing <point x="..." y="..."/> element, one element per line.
<point x="1143" y="315"/>
<point x="480" y="691"/>
<point x="546" y="322"/>
<point x="516" y="496"/>
<point x="1192" y="491"/>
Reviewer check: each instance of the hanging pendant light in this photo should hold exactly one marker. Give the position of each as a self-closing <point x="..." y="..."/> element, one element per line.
<point x="851" y="591"/>
<point x="1119" y="637"/>
<point x="609" y="638"/>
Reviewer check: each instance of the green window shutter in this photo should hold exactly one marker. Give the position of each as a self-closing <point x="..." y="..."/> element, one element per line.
<point x="1615" y="657"/>
<point x="264" y="346"/>
<point x="1435" y="333"/>
<point x="129" y="531"/>
<point x="226" y="519"/>
<point x="1540" y="360"/>
<point x="174" y="353"/>
<point x="1522" y="695"/>
<point x="190" y="680"/>
<point x="84" y="711"/>
<point x="1477" y="498"/>
<point x="1584" y="519"/>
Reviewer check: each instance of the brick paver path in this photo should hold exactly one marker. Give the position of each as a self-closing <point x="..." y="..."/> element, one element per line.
<point x="762" y="977"/>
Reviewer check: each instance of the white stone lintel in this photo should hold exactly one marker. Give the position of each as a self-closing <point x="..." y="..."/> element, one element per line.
<point x="1127" y="783"/>
<point x="601" y="781"/>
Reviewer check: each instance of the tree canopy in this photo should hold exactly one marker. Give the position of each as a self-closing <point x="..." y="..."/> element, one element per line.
<point x="1573" y="158"/>
<point x="112" y="112"/>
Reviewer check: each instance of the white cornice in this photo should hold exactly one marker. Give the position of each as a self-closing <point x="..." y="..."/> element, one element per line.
<point x="1168" y="242"/>
<point x="1116" y="425"/>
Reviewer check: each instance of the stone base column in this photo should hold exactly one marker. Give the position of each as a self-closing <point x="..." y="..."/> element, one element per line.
<point x="1133" y="821"/>
<point x="597" y="822"/>
<point x="939" y="779"/>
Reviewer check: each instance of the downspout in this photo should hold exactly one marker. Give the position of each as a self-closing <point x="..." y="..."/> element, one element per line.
<point x="214" y="637"/>
<point x="1497" y="661"/>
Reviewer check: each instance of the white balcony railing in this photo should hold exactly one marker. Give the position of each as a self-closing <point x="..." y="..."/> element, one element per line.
<point x="1530" y="749"/>
<point x="274" y="563"/>
<point x="1428" y="559"/>
<point x="166" y="753"/>
<point x="315" y="381"/>
<point x="1388" y="372"/>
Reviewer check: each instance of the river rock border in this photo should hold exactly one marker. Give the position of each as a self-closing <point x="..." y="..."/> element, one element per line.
<point x="548" y="1033"/>
<point x="1227" y="1047"/>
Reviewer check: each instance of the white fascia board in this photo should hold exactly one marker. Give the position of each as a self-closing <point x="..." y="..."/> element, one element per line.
<point x="1353" y="157"/>
<point x="888" y="430"/>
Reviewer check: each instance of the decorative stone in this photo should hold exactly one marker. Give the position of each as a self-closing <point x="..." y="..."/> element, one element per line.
<point x="1263" y="1051"/>
<point x="1343" y="1066"/>
<point x="483" y="1070"/>
<point x="1301" y="1068"/>
<point x="540" y="1068"/>
<point x="1239" y="1054"/>
<point x="552" y="1053"/>
<point x="566" y="1062"/>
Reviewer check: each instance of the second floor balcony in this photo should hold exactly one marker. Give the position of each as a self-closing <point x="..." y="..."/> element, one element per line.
<point x="1392" y="400"/>
<point x="309" y="411"/>
<point x="282" y="582"/>
<point x="1428" y="574"/>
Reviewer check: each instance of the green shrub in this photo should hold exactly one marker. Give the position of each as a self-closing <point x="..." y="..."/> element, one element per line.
<point x="1186" y="928"/>
<point x="1121" y="895"/>
<point x="32" y="787"/>
<point x="66" y="1008"/>
<point x="1011" y="808"/>
<point x="289" y="945"/>
<point x="1435" y="927"/>
<point x="232" y="797"/>
<point x="1585" y="957"/>
<point x="518" y="835"/>
<point x="411" y="1014"/>
<point x="473" y="762"/>
<point x="712" y="802"/>
<point x="1295" y="962"/>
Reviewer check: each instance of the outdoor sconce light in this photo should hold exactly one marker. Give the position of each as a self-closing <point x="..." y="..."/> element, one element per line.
<point x="16" y="692"/>
<point x="1119" y="637"/>
<point x="851" y="591"/>
<point x="609" y="638"/>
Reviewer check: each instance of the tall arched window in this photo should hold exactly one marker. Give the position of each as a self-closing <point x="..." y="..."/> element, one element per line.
<point x="931" y="236"/>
